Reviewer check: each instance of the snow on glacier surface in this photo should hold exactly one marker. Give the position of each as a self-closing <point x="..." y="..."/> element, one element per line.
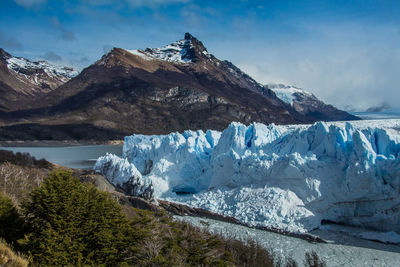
<point x="290" y="177"/>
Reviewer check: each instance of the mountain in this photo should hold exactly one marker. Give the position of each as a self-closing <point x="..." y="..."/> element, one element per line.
<point x="153" y="91"/>
<point x="290" y="177"/>
<point x="22" y="80"/>
<point x="307" y="104"/>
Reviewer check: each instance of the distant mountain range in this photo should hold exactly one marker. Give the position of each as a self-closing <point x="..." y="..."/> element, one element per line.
<point x="308" y="105"/>
<point x="21" y="79"/>
<point x="153" y="91"/>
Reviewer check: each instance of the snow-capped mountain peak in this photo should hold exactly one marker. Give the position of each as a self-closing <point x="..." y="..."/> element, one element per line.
<point x="187" y="50"/>
<point x="27" y="67"/>
<point x="32" y="77"/>
<point x="307" y="104"/>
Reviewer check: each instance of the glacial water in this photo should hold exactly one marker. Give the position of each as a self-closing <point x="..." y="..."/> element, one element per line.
<point x="390" y="114"/>
<point x="80" y="157"/>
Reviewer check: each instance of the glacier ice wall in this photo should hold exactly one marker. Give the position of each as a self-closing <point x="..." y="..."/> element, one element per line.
<point x="289" y="177"/>
<point x="123" y="174"/>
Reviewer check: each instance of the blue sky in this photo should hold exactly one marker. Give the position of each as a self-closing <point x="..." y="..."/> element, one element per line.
<point x="346" y="52"/>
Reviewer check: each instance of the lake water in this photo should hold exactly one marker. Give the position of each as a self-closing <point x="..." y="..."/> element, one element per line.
<point x="80" y="157"/>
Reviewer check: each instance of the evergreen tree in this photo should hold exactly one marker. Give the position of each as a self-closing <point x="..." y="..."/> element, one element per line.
<point x="72" y="223"/>
<point x="11" y="224"/>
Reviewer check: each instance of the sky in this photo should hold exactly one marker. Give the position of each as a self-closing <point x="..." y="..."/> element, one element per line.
<point x="346" y="52"/>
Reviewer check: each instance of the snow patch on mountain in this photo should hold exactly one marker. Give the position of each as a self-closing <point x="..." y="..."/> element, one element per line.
<point x="27" y="68"/>
<point x="175" y="52"/>
<point x="288" y="94"/>
<point x="289" y="177"/>
<point x="183" y="51"/>
<point x="140" y="53"/>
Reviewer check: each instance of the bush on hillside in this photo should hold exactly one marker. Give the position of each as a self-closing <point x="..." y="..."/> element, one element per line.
<point x="11" y="224"/>
<point x="74" y="224"/>
<point x="23" y="159"/>
<point x="17" y="182"/>
<point x="70" y="223"/>
<point x="312" y="260"/>
<point x="10" y="258"/>
<point x="165" y="242"/>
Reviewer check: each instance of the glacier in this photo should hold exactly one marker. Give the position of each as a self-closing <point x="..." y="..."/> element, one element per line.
<point x="290" y="177"/>
<point x="124" y="175"/>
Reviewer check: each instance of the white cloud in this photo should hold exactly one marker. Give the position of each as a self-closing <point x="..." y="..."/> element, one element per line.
<point x="9" y="42"/>
<point x="155" y="3"/>
<point x="107" y="48"/>
<point x="65" y="34"/>
<point x="51" y="56"/>
<point x="29" y="3"/>
<point x="358" y="72"/>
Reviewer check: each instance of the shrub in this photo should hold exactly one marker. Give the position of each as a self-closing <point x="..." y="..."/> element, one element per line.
<point x="17" y="182"/>
<point x="164" y="242"/>
<point x="23" y="159"/>
<point x="250" y="254"/>
<point x="9" y="258"/>
<point x="11" y="224"/>
<point x="312" y="260"/>
<point x="72" y="223"/>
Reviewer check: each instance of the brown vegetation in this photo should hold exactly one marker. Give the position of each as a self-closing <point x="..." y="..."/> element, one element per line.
<point x="312" y="260"/>
<point x="10" y="258"/>
<point x="20" y="173"/>
<point x="165" y="241"/>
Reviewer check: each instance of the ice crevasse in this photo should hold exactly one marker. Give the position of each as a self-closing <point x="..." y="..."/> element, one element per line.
<point x="290" y="177"/>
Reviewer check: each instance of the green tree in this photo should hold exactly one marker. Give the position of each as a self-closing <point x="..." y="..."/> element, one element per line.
<point x="71" y="223"/>
<point x="11" y="224"/>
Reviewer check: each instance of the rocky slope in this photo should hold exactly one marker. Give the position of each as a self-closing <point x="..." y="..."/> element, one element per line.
<point x="154" y="91"/>
<point x="308" y="105"/>
<point x="22" y="80"/>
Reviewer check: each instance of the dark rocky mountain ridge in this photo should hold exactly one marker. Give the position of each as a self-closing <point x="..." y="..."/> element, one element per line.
<point x="153" y="91"/>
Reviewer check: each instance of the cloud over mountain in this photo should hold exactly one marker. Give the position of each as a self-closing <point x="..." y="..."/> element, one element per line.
<point x="51" y="56"/>
<point x="9" y="42"/>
